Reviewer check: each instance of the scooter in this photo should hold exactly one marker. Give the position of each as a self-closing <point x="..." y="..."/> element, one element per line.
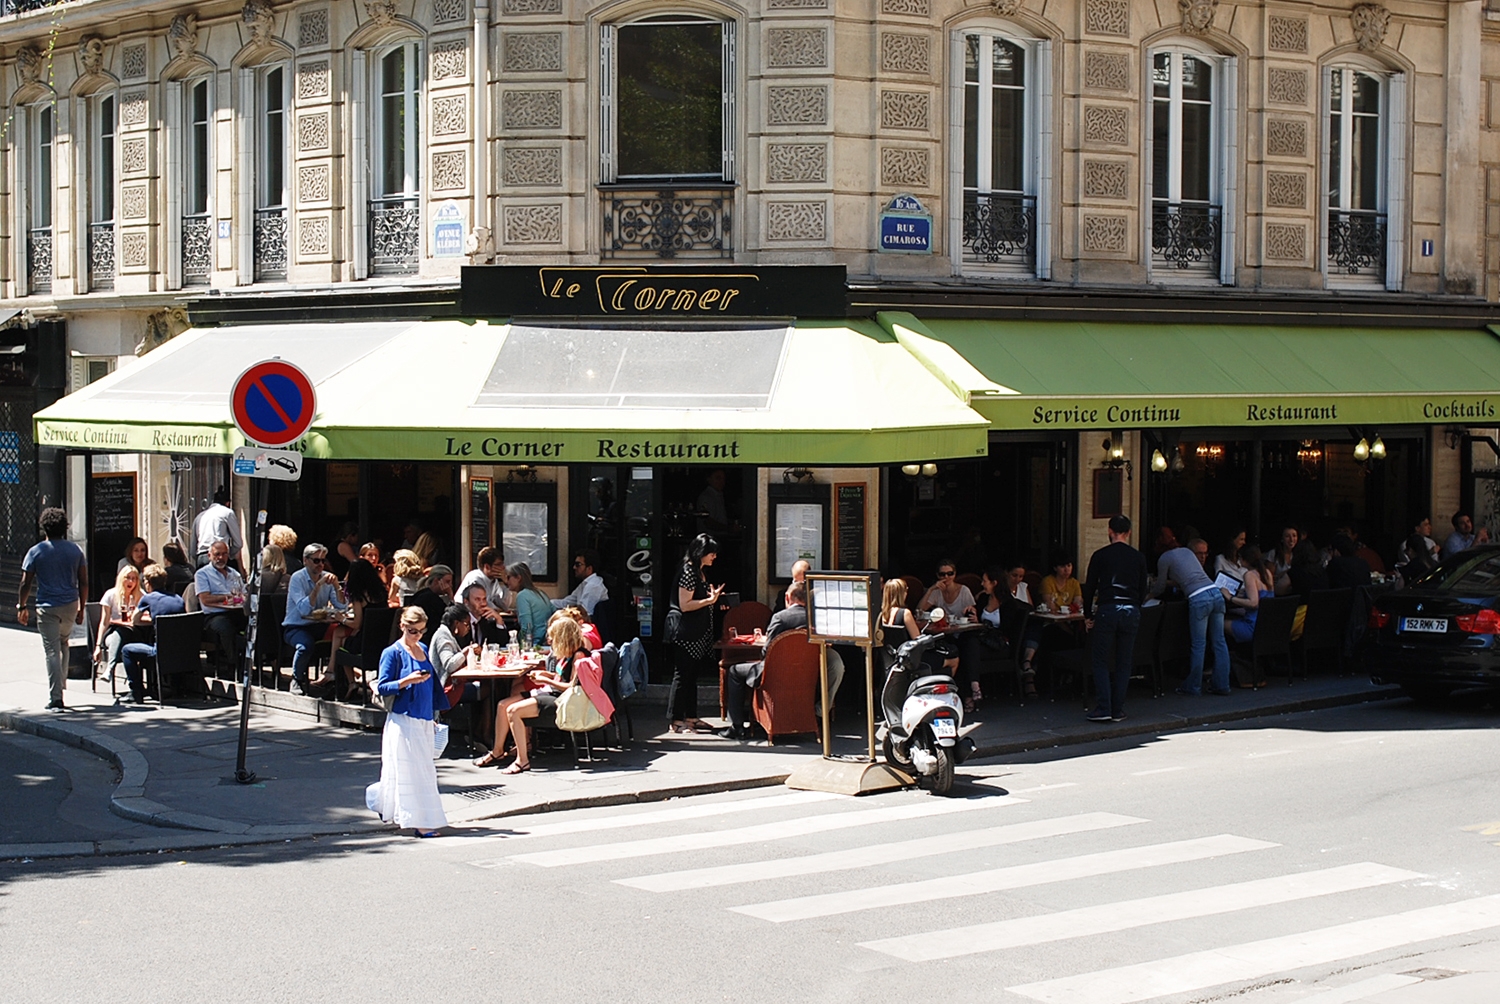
<point x="923" y="717"/>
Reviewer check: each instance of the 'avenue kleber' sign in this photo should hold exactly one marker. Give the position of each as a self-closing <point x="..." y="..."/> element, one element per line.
<point x="639" y="292"/>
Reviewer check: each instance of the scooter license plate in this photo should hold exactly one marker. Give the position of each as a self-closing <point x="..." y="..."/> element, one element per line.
<point x="944" y="728"/>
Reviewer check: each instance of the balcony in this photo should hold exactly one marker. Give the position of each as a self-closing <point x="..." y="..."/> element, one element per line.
<point x="1186" y="236"/>
<point x="395" y="234"/>
<point x="22" y="6"/>
<point x="197" y="249"/>
<point x="270" y="245"/>
<point x="39" y="260"/>
<point x="667" y="221"/>
<point x="1000" y="231"/>
<point x="102" y="256"/>
<point x="1356" y="243"/>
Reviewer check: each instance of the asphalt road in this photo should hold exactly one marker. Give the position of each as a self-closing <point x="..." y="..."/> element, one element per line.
<point x="1347" y="855"/>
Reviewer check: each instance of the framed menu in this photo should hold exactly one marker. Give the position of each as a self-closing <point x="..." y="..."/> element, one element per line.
<point x="841" y="606"/>
<point x="481" y="528"/>
<point x="849" y="525"/>
<point x="112" y="524"/>
<point x="800" y="519"/>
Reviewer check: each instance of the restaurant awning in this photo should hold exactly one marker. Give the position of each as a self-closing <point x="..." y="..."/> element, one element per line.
<point x="814" y="393"/>
<point x="1077" y="375"/>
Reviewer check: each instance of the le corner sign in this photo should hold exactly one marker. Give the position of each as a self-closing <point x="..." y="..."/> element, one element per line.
<point x="905" y="226"/>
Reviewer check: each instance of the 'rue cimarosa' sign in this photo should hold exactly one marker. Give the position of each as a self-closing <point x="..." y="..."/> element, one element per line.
<point x="638" y="292"/>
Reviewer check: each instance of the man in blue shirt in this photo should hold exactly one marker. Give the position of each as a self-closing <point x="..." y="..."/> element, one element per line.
<point x="221" y="594"/>
<point x="312" y="588"/>
<point x="155" y="602"/>
<point x="57" y="569"/>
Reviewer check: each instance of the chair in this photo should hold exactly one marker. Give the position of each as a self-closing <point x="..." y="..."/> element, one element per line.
<point x="1326" y="623"/>
<point x="93" y="614"/>
<point x="269" y="647"/>
<point x="1144" y="656"/>
<point x="1007" y="664"/>
<point x="1172" y="641"/>
<point x="375" y="635"/>
<point x="1273" y="631"/>
<point x="603" y="617"/>
<point x="783" y="703"/>
<point x="1033" y="582"/>
<point x="914" y="590"/>
<point x="178" y="640"/>
<point x="972" y="581"/>
<point x="745" y="618"/>
<point x="190" y="598"/>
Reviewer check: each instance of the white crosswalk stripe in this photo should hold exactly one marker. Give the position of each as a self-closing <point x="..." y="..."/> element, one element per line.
<point x="876" y="854"/>
<point x="1121" y="916"/>
<point x="1258" y="959"/>
<point x="676" y="814"/>
<point x="765" y="831"/>
<point x="999" y="879"/>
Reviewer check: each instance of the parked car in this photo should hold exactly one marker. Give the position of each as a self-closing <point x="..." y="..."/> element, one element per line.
<point x="1438" y="636"/>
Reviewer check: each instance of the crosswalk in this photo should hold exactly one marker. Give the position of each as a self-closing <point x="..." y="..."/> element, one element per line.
<point x="752" y="857"/>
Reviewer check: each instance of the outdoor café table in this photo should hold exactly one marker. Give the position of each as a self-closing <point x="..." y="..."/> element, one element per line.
<point x="737" y="649"/>
<point x="490" y="680"/>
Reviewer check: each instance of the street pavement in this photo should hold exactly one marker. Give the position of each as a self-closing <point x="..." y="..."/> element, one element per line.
<point x="176" y="763"/>
<point x="1331" y="857"/>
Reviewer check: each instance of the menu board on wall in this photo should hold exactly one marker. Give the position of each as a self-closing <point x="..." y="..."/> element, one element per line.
<point x="799" y="536"/>
<point x="849" y="526"/>
<point x="479" y="513"/>
<point x="112" y="524"/>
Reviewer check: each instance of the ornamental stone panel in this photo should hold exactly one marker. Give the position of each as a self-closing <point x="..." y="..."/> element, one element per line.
<point x="793" y="48"/>
<point x="133" y="62"/>
<point x="791" y="163"/>
<point x="134" y="248"/>
<point x="532" y="224"/>
<point x="312" y="131"/>
<point x="314" y="236"/>
<point x="1286" y="138"/>
<point x="312" y="80"/>
<point x="531" y="166"/>
<point x="313" y="183"/>
<point x="312" y="28"/>
<point x="904" y="167"/>
<point x="133" y="153"/>
<point x="1286" y="189"/>
<point x="133" y="202"/>
<point x="1286" y="34"/>
<point x="531" y="109"/>
<point x="531" y="52"/>
<point x="905" y="53"/>
<point x="1107" y="17"/>
<point x="797" y="221"/>
<point x="532" y="6"/>
<point x="803" y="105"/>
<point x="1106" y="125"/>
<point x="1286" y="242"/>
<point x="796" y="4"/>
<point x="450" y="115"/>
<point x="1106" y="234"/>
<point x="450" y="60"/>
<point x="450" y="171"/>
<point x="134" y="108"/>
<point x="1286" y="86"/>
<point x="1106" y="71"/>
<point x="1106" y="179"/>
<point x="907" y="8"/>
<point x="905" y="110"/>
<point x="445" y="11"/>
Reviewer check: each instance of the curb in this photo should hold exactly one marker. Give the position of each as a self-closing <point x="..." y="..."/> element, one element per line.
<point x="624" y="798"/>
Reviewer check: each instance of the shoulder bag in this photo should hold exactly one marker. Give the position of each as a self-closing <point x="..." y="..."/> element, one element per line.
<point x="576" y="713"/>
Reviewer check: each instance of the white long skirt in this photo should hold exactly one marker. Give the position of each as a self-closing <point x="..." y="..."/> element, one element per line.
<point x="407" y="792"/>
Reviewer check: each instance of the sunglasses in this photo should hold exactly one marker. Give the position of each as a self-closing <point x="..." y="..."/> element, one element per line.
<point x="945" y="575"/>
<point x="318" y="561"/>
<point x="412" y="628"/>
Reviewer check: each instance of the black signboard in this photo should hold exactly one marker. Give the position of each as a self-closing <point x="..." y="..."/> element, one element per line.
<point x="658" y="293"/>
<point x="111" y="525"/>
<point x="849" y="526"/>
<point x="479" y="513"/>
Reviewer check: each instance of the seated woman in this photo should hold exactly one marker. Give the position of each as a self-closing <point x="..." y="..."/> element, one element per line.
<point x="363" y="590"/>
<point x="899" y="625"/>
<point x="990" y="636"/>
<point x="590" y="630"/>
<point x="115" y="631"/>
<point x="1418" y="563"/>
<point x="179" y="570"/>
<point x="948" y="593"/>
<point x="533" y="609"/>
<point x="1259" y="583"/>
<point x="137" y="555"/>
<point x="575" y="667"/>
<point x="1228" y="562"/>
<point x="371" y="553"/>
<point x="406" y="577"/>
<point x="1060" y="589"/>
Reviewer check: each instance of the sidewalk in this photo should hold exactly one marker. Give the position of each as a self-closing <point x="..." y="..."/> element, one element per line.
<point x="177" y="762"/>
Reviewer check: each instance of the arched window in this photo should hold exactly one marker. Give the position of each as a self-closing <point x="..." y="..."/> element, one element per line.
<point x="1192" y="170"/>
<point x="39" y="203"/>
<point x="395" y="178"/>
<point x="1357" y="144"/>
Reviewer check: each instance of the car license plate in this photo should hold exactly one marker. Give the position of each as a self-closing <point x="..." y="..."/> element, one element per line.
<point x="944" y="728"/>
<point x="1425" y="625"/>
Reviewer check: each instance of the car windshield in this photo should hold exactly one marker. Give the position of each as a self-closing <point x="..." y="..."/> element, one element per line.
<point x="1469" y="575"/>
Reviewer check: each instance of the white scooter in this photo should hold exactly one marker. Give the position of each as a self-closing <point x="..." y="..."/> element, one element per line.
<point x="923" y="717"/>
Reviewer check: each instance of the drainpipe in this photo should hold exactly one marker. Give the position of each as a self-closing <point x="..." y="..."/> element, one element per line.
<point x="481" y="114"/>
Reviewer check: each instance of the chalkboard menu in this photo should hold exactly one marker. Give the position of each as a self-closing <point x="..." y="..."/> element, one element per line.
<point x="482" y="533"/>
<point x="849" y="526"/>
<point x="111" y="525"/>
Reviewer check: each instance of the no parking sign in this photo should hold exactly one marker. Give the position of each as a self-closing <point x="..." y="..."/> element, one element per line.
<point x="273" y="403"/>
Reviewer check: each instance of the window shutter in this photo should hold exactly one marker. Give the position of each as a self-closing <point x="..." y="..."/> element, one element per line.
<point x="1230" y="174"/>
<point x="607" y="131"/>
<point x="1395" y="181"/>
<point x="1042" y="110"/>
<point x="731" y="74"/>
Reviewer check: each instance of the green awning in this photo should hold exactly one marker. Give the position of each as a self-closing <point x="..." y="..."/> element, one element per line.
<point x="813" y="393"/>
<point x="1077" y="375"/>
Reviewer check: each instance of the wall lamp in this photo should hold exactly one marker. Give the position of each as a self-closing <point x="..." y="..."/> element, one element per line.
<point x="796" y="474"/>
<point x="928" y="470"/>
<point x="1366" y="449"/>
<point x="524" y="473"/>
<point x="1114" y="454"/>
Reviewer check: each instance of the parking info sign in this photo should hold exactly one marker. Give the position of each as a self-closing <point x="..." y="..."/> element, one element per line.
<point x="906" y="227"/>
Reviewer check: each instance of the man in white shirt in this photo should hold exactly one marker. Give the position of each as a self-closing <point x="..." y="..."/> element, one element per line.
<point x="489" y="573"/>
<point x="591" y="588"/>
<point x="218" y="522"/>
<point x="221" y="594"/>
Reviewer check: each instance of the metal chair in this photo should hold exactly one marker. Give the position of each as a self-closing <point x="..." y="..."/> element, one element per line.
<point x="1172" y="641"/>
<point x="1326" y="623"/>
<point x="1144" y="655"/>
<point x="178" y="641"/>
<point x="93" y="615"/>
<point x="1273" y="631"/>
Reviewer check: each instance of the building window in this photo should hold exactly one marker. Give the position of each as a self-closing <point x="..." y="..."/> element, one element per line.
<point x="197" y="226"/>
<point x="39" y="204"/>
<point x="395" y="215"/>
<point x="1191" y="118"/>
<point x="102" y="195"/>
<point x="1358" y="230"/>
<point x="270" y="174"/>
<point x="1006" y="128"/>
<point x="667" y="118"/>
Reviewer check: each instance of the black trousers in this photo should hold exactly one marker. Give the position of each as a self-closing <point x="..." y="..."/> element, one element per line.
<point x="737" y="692"/>
<point x="682" y="698"/>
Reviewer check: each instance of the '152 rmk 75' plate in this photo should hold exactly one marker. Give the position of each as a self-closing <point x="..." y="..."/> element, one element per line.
<point x="1425" y="625"/>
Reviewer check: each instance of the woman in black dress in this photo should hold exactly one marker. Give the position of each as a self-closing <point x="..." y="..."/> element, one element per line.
<point x="694" y="644"/>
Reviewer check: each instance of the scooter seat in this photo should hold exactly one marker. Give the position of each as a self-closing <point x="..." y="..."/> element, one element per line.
<point x="927" y="682"/>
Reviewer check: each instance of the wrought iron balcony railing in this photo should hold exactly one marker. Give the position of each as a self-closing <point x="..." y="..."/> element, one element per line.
<point x="1356" y="242"/>
<point x="39" y="260"/>
<point x="101" y="256"/>
<point x="667" y="221"/>
<point x="197" y="249"/>
<point x="22" y="6"/>
<point x="1000" y="229"/>
<point x="395" y="234"/>
<point x="1186" y="235"/>
<point x="270" y="244"/>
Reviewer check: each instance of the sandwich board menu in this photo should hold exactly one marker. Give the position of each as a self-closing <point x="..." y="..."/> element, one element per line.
<point x="841" y="606"/>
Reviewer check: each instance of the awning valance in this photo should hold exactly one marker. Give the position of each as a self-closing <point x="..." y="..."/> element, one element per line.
<point x="1076" y="375"/>
<point x="812" y="393"/>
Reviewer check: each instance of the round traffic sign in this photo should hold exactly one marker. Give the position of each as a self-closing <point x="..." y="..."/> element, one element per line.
<point x="273" y="403"/>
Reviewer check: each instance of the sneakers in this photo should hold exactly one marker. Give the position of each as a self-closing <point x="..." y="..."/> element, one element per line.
<point x="1117" y="718"/>
<point x="56" y="706"/>
<point x="1099" y="716"/>
<point x="297" y="689"/>
<point x="1187" y="693"/>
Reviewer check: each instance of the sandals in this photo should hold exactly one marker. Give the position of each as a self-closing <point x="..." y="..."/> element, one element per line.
<point x="1028" y="682"/>
<point x="517" y="768"/>
<point x="680" y="727"/>
<point x="489" y="760"/>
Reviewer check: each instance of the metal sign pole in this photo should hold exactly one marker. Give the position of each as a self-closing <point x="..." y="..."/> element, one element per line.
<point x="869" y="651"/>
<point x="252" y="586"/>
<point x="823" y="666"/>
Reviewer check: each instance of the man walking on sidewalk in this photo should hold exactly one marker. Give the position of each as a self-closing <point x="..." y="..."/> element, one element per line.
<point x="1117" y="577"/>
<point x="57" y="569"/>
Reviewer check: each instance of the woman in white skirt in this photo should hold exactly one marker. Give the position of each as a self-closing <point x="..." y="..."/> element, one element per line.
<point x="407" y="792"/>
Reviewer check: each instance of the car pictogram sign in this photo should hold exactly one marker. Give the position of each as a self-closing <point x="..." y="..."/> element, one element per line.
<point x="273" y="403"/>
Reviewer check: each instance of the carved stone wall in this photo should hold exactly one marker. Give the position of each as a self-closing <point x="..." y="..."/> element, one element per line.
<point x="905" y="167"/>
<point x="1106" y="179"/>
<point x="531" y="109"/>
<point x="133" y="205"/>
<point x="312" y="80"/>
<point x="135" y="109"/>
<point x="312" y="28"/>
<point x="905" y="110"/>
<point x="531" y="52"/>
<point x="450" y="170"/>
<point x="1106" y="234"/>
<point x="1106" y="71"/>
<point x="1286" y="137"/>
<point x="135" y="249"/>
<point x="450" y="115"/>
<point x="796" y="221"/>
<point x="133" y="61"/>
<point x="313" y="183"/>
<point x="450" y="60"/>
<point x="901" y="52"/>
<point x="1107" y="17"/>
<point x="312" y="131"/>
<point x="793" y="163"/>
<point x="795" y="48"/>
<point x="907" y="8"/>
<point x="447" y="11"/>
<point x="540" y="224"/>
<point x="532" y="6"/>
<point x="795" y="106"/>
<point x="1286" y="189"/>
<point x="133" y="154"/>
<point x="1286" y="34"/>
<point x="1286" y="242"/>
<point x="1286" y="86"/>
<point x="795" y="4"/>
<point x="1106" y="125"/>
<point x="314" y="237"/>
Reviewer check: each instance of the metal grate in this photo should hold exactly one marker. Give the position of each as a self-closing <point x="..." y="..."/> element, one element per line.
<point x="101" y="256"/>
<point x="197" y="249"/>
<point x="1356" y="242"/>
<point x="39" y="260"/>
<point x="1186" y="235"/>
<point x="1000" y="229"/>
<point x="668" y="222"/>
<point x="270" y="244"/>
<point x="395" y="230"/>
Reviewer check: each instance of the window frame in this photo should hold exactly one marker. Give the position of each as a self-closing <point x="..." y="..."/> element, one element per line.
<point x="42" y="162"/>
<point x="104" y="131"/>
<point x="197" y="151"/>
<point x="411" y="95"/>
<point x="263" y="197"/>
<point x="1391" y="183"/>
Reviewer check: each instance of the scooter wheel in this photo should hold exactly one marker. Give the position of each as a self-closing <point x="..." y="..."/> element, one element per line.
<point x="892" y="754"/>
<point x="942" y="778"/>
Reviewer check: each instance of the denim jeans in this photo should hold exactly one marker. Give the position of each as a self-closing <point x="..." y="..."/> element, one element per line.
<point x="302" y="638"/>
<point x="133" y="655"/>
<point x="55" y="624"/>
<point x="1113" y="641"/>
<point x="1206" y="626"/>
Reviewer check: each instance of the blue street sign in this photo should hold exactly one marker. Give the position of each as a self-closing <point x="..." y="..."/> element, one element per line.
<point x="448" y="231"/>
<point x="906" y="227"/>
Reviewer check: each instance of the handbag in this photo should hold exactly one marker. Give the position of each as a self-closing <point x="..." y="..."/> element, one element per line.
<point x="576" y="713"/>
<point x="672" y="628"/>
<point x="439" y="738"/>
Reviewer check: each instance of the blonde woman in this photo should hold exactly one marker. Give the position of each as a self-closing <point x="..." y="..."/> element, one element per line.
<point x="274" y="575"/>
<point x="407" y="792"/>
<point x="894" y="616"/>
<point x="115" y="631"/>
<point x="406" y="576"/>
<point x="426" y="548"/>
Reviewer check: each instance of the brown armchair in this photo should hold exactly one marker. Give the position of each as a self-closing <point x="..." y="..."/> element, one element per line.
<point x="783" y="703"/>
